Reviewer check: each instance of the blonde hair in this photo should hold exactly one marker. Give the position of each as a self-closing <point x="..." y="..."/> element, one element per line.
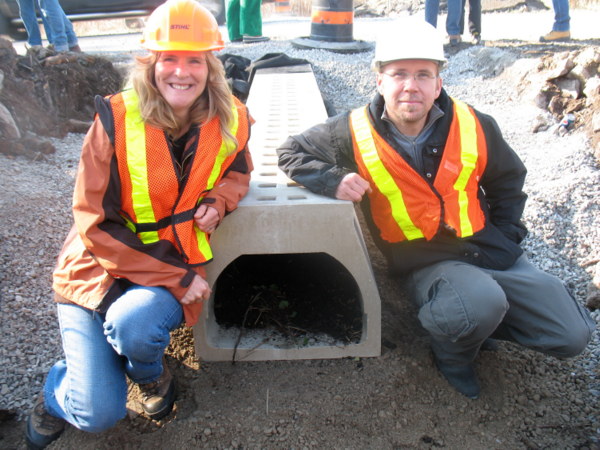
<point x="215" y="101"/>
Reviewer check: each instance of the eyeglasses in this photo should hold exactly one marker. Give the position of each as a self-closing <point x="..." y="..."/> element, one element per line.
<point x="402" y="77"/>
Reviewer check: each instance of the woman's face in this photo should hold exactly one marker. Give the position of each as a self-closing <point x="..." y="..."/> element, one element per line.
<point x="181" y="78"/>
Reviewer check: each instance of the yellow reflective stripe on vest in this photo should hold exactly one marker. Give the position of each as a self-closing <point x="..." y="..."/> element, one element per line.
<point x="384" y="180"/>
<point x="224" y="152"/>
<point x="135" y="143"/>
<point x="468" y="158"/>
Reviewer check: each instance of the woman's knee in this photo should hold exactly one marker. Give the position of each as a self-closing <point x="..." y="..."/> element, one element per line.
<point x="141" y="322"/>
<point x="99" y="418"/>
<point x="134" y="341"/>
<point x="98" y="410"/>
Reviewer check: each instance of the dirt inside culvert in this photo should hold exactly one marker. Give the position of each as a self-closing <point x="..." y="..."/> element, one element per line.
<point x="292" y="299"/>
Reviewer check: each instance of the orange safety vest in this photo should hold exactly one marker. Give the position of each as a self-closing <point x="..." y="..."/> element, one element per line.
<point x="153" y="203"/>
<point x="404" y="206"/>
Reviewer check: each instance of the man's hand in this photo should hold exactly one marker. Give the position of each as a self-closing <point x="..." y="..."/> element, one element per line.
<point x="352" y="187"/>
<point x="198" y="291"/>
<point x="207" y="218"/>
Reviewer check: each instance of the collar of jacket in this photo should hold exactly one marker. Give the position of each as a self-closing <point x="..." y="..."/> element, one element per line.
<point x="441" y="128"/>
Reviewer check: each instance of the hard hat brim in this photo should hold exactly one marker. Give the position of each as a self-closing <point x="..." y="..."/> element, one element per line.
<point x="183" y="47"/>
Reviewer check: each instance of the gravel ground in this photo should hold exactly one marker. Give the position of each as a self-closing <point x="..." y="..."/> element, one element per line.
<point x="562" y="214"/>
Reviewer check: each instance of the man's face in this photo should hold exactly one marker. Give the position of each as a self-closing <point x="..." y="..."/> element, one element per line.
<point x="409" y="88"/>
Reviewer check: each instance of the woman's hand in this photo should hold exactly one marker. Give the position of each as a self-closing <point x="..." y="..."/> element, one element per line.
<point x="207" y="218"/>
<point x="198" y="292"/>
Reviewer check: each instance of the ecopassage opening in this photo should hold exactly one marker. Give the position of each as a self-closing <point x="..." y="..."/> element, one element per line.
<point x="301" y="298"/>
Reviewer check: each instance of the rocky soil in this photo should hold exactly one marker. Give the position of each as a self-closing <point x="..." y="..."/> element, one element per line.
<point x="394" y="401"/>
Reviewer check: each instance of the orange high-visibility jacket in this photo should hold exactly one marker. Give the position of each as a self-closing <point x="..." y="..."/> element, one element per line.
<point x="153" y="204"/>
<point x="404" y="205"/>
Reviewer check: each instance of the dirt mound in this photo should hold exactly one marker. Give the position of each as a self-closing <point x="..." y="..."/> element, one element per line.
<point x="45" y="93"/>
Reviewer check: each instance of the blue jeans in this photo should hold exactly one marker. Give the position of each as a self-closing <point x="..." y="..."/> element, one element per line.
<point x="474" y="17"/>
<point x="455" y="8"/>
<point x="89" y="388"/>
<point x="28" y="13"/>
<point x="461" y="305"/>
<point x="59" y="28"/>
<point x="561" y="15"/>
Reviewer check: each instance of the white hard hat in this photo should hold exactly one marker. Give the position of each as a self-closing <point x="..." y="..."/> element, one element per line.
<point x="408" y="38"/>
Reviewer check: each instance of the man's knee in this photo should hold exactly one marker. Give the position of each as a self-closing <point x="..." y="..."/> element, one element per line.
<point x="454" y="312"/>
<point x="569" y="344"/>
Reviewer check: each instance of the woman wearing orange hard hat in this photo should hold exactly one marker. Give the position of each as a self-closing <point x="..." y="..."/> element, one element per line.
<point x="162" y="164"/>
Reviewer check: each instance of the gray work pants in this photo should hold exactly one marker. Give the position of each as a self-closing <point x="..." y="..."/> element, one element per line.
<point x="461" y="305"/>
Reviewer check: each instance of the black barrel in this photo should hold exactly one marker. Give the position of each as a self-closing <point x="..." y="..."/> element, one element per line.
<point x="332" y="20"/>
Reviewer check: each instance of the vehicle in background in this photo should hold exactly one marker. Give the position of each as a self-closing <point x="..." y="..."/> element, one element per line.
<point x="79" y="10"/>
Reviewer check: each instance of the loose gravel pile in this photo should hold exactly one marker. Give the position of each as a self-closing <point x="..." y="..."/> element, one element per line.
<point x="562" y="215"/>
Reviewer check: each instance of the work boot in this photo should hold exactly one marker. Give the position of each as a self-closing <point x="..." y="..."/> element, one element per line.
<point x="476" y="38"/>
<point x="158" y="396"/>
<point x="556" y="36"/>
<point x="254" y="39"/>
<point x="75" y="48"/>
<point x="490" y="345"/>
<point x="462" y="378"/>
<point x="454" y="39"/>
<point x="42" y="427"/>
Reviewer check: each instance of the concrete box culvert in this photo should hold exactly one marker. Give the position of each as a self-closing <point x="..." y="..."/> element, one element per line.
<point x="282" y="221"/>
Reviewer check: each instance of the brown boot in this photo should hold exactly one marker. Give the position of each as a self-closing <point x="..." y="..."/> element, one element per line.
<point x="42" y="428"/>
<point x="158" y="396"/>
<point x="556" y="36"/>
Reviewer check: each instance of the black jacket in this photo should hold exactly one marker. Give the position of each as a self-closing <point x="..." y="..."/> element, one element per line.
<point x="321" y="156"/>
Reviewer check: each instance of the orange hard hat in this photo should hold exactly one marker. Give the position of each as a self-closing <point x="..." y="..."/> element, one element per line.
<point x="182" y="25"/>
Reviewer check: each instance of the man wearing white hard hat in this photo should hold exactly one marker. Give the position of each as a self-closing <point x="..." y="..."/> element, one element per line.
<point x="442" y="194"/>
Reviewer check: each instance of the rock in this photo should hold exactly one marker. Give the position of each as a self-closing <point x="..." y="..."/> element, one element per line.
<point x="562" y="68"/>
<point x="540" y="124"/>
<point x="34" y="145"/>
<point x="586" y="63"/>
<point x="592" y="91"/>
<point x="8" y="127"/>
<point x="593" y="296"/>
<point x="557" y="106"/>
<point x="491" y="61"/>
<point x="78" y="126"/>
<point x="569" y="86"/>
<point x="596" y="122"/>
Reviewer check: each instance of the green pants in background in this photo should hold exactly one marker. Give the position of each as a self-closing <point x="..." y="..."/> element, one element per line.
<point x="243" y="18"/>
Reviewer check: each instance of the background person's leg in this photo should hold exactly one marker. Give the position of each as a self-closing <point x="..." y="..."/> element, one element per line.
<point x="53" y="15"/>
<point x="432" y="8"/>
<point x="561" y="15"/>
<point x="453" y="21"/>
<point x="233" y="20"/>
<point x="27" y="11"/>
<point x="475" y="17"/>
<point x="251" y="18"/>
<point x="72" y="40"/>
